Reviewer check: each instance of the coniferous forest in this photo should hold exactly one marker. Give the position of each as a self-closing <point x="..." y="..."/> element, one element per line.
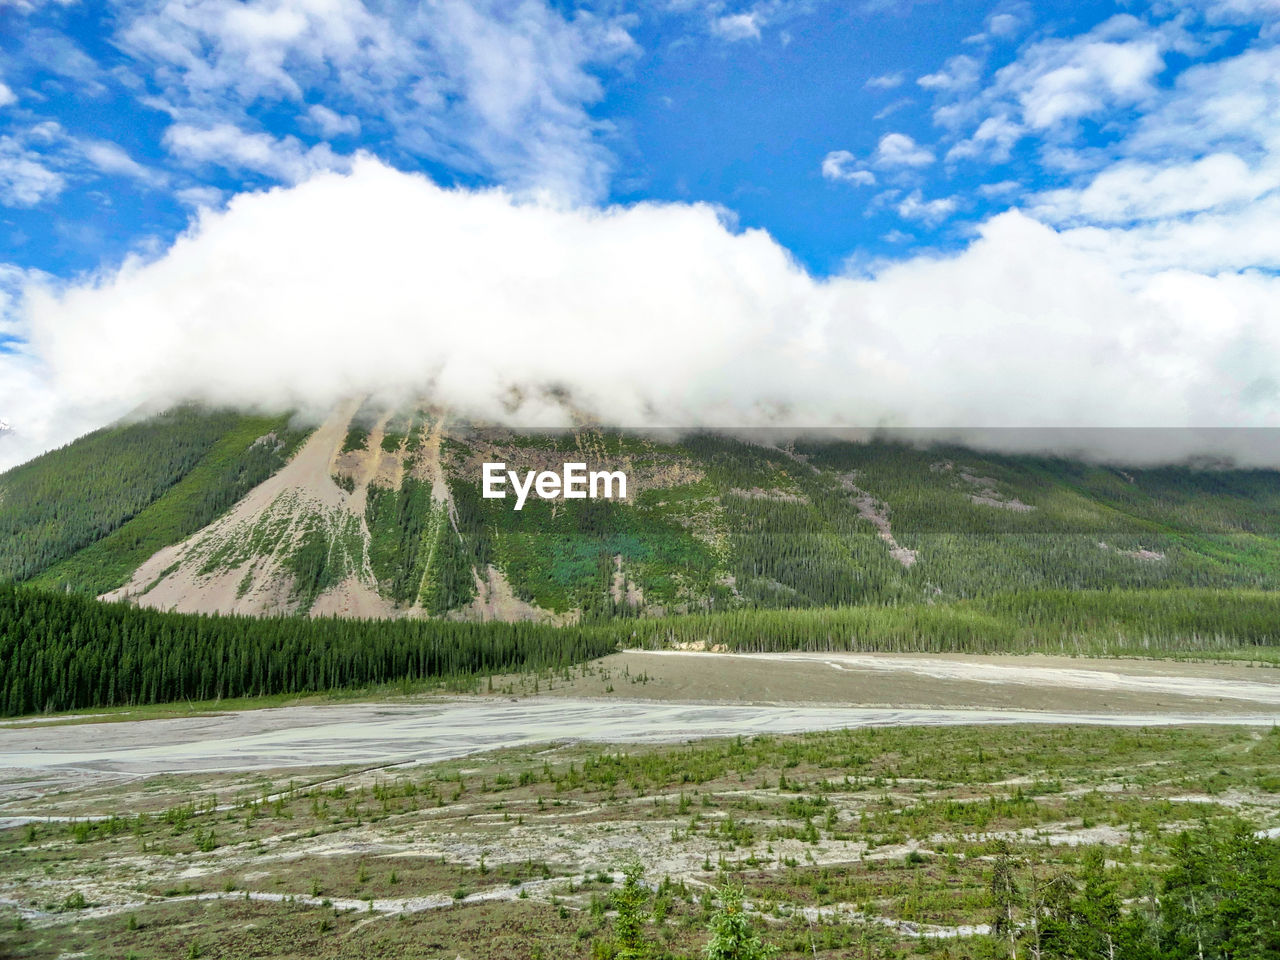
<point x="60" y="651"/>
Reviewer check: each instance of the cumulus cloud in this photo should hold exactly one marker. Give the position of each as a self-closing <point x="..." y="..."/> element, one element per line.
<point x="330" y="123"/>
<point x="1003" y="24"/>
<point x="915" y="207"/>
<point x="1134" y="190"/>
<point x="900" y="150"/>
<point x="377" y="280"/>
<point x="994" y="139"/>
<point x="1054" y="83"/>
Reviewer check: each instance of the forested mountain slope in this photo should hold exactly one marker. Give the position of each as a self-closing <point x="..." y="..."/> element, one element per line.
<point x="113" y="497"/>
<point x="378" y="513"/>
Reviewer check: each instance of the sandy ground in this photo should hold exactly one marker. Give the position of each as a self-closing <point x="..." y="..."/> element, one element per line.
<point x="1065" y="684"/>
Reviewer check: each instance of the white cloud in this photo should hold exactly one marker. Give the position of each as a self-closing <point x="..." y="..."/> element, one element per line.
<point x="197" y="197"/>
<point x="960" y="73"/>
<point x="994" y="139"/>
<point x="915" y="207"/>
<point x="892" y="107"/>
<point x="330" y="123"/>
<point x="379" y="280"/>
<point x="7" y="96"/>
<point x="900" y="150"/>
<point x="1095" y="76"/>
<point x="227" y="146"/>
<point x="1000" y="189"/>
<point x="885" y="81"/>
<point x="113" y="160"/>
<point x="1235" y="101"/>
<point x="737" y="26"/>
<point x="1054" y="83"/>
<point x="1265" y="12"/>
<point x="893" y="150"/>
<point x="1059" y="80"/>
<point x="1194" y="185"/>
<point x="1003" y="25"/>
<point x="489" y="87"/>
<point x="1212" y="242"/>
<point x="25" y="178"/>
<point x="1132" y="190"/>
<point x="842" y="165"/>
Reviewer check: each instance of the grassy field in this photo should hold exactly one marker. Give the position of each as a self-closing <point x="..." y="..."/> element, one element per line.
<point x="874" y="842"/>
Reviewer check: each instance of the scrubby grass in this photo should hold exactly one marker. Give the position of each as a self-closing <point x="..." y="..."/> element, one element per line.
<point x="873" y="828"/>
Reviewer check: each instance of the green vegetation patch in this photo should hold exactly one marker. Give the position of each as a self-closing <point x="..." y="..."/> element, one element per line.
<point x="1025" y="842"/>
<point x="69" y="498"/>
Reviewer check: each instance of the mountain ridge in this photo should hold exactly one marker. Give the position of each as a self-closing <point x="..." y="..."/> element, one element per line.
<point x="377" y="513"/>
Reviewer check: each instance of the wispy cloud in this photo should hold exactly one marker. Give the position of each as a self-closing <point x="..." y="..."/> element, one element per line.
<point x="892" y="107"/>
<point x="915" y="207"/>
<point x="843" y="165"/>
<point x="112" y="159"/>
<point x="886" y="81"/>
<point x="960" y="73"/>
<point x="25" y="179"/>
<point x="502" y="92"/>
<point x="228" y="146"/>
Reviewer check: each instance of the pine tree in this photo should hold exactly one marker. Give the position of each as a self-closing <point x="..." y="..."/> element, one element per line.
<point x="732" y="937"/>
<point x="630" y="901"/>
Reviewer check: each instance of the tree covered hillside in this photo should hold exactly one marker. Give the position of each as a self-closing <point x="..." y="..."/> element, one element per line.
<point x="112" y="498"/>
<point x="380" y="514"/>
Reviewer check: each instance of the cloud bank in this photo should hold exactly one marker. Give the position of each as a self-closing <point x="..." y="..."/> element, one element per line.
<point x="530" y="313"/>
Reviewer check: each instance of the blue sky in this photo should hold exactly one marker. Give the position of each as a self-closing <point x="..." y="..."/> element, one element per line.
<point x="824" y="211"/>
<point x="120" y="118"/>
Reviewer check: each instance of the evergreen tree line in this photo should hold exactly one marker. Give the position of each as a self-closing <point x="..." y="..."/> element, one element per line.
<point x="1088" y="622"/>
<point x="65" y="652"/>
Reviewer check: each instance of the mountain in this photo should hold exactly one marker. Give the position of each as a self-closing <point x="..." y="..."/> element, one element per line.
<point x="378" y="513"/>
